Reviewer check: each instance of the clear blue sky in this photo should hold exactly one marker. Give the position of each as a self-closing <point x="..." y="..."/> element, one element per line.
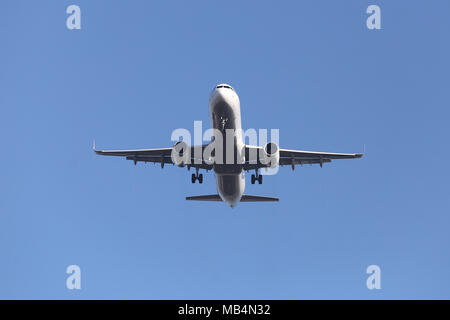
<point x="139" y="69"/>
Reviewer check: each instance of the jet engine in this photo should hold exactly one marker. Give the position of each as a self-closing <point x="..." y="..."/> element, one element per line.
<point x="271" y="154"/>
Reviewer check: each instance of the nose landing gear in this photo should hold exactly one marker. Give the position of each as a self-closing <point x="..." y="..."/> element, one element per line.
<point x="223" y="122"/>
<point x="255" y="177"/>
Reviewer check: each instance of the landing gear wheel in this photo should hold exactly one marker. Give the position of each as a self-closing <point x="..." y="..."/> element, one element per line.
<point x="260" y="179"/>
<point x="193" y="178"/>
<point x="200" y="178"/>
<point x="253" y="179"/>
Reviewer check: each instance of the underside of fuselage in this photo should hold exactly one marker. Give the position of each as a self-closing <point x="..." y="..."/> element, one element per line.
<point x="225" y="114"/>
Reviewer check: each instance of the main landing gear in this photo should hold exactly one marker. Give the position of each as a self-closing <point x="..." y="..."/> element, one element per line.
<point x="256" y="176"/>
<point x="196" y="176"/>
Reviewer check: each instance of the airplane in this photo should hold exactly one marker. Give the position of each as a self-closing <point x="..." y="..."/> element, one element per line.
<point x="224" y="109"/>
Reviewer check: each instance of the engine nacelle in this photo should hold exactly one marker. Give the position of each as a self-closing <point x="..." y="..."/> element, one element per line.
<point x="181" y="154"/>
<point x="271" y="154"/>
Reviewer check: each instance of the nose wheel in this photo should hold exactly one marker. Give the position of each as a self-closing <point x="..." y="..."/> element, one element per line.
<point x="196" y="176"/>
<point x="223" y="122"/>
<point x="256" y="177"/>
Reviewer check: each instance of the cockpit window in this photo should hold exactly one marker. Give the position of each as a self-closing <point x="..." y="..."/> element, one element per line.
<point x="224" y="86"/>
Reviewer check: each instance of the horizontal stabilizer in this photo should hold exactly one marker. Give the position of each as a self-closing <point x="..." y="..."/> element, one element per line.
<point x="250" y="198"/>
<point x="245" y="198"/>
<point x="209" y="197"/>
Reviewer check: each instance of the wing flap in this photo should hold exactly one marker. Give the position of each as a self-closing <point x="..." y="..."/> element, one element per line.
<point x="287" y="161"/>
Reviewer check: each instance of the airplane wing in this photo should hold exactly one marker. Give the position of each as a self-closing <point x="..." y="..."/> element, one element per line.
<point x="159" y="155"/>
<point x="296" y="157"/>
<point x="287" y="156"/>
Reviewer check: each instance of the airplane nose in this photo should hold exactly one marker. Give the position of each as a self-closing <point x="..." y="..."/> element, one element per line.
<point x="219" y="95"/>
<point x="220" y="102"/>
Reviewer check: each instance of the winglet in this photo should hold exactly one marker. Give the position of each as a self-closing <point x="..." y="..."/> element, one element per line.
<point x="360" y="155"/>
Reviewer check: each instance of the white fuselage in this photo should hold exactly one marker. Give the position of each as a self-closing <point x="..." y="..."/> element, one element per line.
<point x="225" y="110"/>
